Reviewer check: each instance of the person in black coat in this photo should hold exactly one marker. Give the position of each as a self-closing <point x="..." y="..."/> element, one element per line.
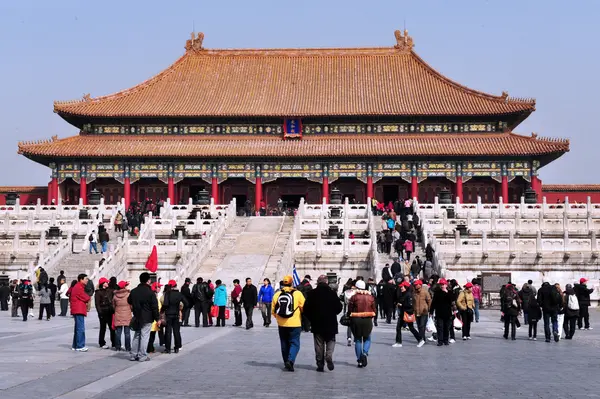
<point x="321" y="309"/>
<point x="441" y="304"/>
<point x="145" y="310"/>
<point x="534" y="314"/>
<point x="406" y="305"/>
<point x="173" y="302"/>
<point x="53" y="288"/>
<point x="583" y="296"/>
<point x="571" y="315"/>
<point x="187" y="294"/>
<point x="396" y="269"/>
<point x="389" y="300"/>
<point x="512" y="307"/>
<point x="249" y="300"/>
<point x="550" y="301"/>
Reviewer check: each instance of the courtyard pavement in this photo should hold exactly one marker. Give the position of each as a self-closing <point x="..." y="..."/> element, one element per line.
<point x="36" y="362"/>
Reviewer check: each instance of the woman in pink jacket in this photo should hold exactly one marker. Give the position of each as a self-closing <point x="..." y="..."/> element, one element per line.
<point x="408" y="248"/>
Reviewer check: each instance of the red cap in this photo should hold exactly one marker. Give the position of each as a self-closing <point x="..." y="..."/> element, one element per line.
<point x="172" y="283"/>
<point x="468" y="285"/>
<point x="442" y="281"/>
<point x="417" y="282"/>
<point x="123" y="284"/>
<point x="102" y="280"/>
<point x="405" y="284"/>
<point x="583" y="280"/>
<point x="155" y="286"/>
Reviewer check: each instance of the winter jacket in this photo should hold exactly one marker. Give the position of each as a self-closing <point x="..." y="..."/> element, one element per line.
<point x="408" y="246"/>
<point x="44" y="294"/>
<point x="422" y="301"/>
<point x="389" y="295"/>
<point x="583" y="294"/>
<point x="476" y="290"/>
<point x="396" y="269"/>
<point x="305" y="287"/>
<point x="144" y="304"/>
<point x="220" y="298"/>
<point x="321" y="307"/>
<point x="103" y="300"/>
<point x="526" y="295"/>
<point x="385" y="274"/>
<point x="103" y="236"/>
<point x="362" y="304"/>
<point x="265" y="294"/>
<point x="549" y="299"/>
<point x="534" y="312"/>
<point x="406" y="302"/>
<point x="249" y="296"/>
<point x="62" y="293"/>
<point x="570" y="312"/>
<point x="201" y="293"/>
<point x="43" y="278"/>
<point x="235" y="294"/>
<point x="465" y="301"/>
<point x="121" y="307"/>
<point x="187" y="293"/>
<point x="441" y="304"/>
<point x="512" y="303"/>
<point x="173" y="302"/>
<point x="415" y="268"/>
<point x="79" y="299"/>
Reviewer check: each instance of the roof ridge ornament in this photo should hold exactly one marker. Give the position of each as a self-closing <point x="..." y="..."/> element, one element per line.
<point x="195" y="43"/>
<point x="403" y="41"/>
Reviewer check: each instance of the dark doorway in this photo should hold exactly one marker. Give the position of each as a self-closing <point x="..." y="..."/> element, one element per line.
<point x="195" y="189"/>
<point x="240" y="200"/>
<point x="291" y="201"/>
<point x="390" y="194"/>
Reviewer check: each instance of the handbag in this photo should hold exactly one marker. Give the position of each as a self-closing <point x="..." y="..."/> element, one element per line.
<point x="409" y="318"/>
<point x="214" y="311"/>
<point x="133" y="324"/>
<point x="345" y="320"/>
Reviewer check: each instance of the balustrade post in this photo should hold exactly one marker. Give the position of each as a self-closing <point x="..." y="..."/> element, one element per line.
<point x="544" y="205"/>
<point x="445" y="224"/>
<point x="493" y="222"/>
<point x="7" y="222"/>
<point x="594" y="243"/>
<point x="538" y="243"/>
<point x="484" y="243"/>
<point x="500" y="206"/>
<point x="16" y="242"/>
<point x="566" y="242"/>
<point x="518" y="220"/>
<point x="212" y="208"/>
<point x="301" y="208"/>
<point x="479" y="207"/>
<point x="511" y="241"/>
<point x="18" y="205"/>
<point x="469" y="220"/>
<point x="53" y="218"/>
<point x="31" y="271"/>
<point x="457" y="243"/>
<point x="436" y="206"/>
<point x="42" y="243"/>
<point x="180" y="242"/>
<point x="38" y="206"/>
<point x="346" y="243"/>
<point x="126" y="239"/>
<point x="319" y="245"/>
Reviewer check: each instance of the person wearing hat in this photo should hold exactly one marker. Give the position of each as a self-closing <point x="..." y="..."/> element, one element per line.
<point x="441" y="305"/>
<point x="187" y="293"/>
<point x="583" y="296"/>
<point x="305" y="287"/>
<point x="156" y="325"/>
<point x="103" y="301"/>
<point x="512" y="308"/>
<point x="145" y="310"/>
<point x="173" y="302"/>
<point x="422" y="304"/>
<point x="287" y="307"/>
<point x="321" y="308"/>
<point x="466" y="305"/>
<point x="361" y="309"/>
<point x="122" y="317"/>
<point x="407" y="313"/>
<point x="78" y="299"/>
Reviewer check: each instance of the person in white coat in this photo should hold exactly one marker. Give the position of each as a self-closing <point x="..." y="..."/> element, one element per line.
<point x="64" y="299"/>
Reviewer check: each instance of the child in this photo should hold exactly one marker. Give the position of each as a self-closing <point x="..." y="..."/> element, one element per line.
<point x="534" y="315"/>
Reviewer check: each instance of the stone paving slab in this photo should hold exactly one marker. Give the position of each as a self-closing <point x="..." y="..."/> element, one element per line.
<point x="36" y="361"/>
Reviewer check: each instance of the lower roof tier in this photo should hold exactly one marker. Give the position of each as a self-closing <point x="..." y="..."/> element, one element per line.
<point x="330" y="146"/>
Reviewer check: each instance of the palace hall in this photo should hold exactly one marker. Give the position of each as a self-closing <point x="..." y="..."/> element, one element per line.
<point x="260" y="125"/>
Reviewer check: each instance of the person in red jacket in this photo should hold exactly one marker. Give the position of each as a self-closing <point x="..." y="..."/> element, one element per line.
<point x="79" y="300"/>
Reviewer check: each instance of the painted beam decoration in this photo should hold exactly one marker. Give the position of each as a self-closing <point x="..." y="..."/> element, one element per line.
<point x="482" y="169"/>
<point x="356" y="170"/>
<point x="149" y="170"/>
<point x="402" y="170"/>
<point x="309" y="171"/>
<point x="519" y="169"/>
<point x="436" y="169"/>
<point x="69" y="171"/>
<point x="193" y="171"/>
<point x="183" y="129"/>
<point x="240" y="170"/>
<point x="292" y="128"/>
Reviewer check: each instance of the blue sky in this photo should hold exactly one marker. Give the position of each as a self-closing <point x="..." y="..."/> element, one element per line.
<point x="61" y="50"/>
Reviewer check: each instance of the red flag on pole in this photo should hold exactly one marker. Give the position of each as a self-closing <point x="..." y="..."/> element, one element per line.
<point x="152" y="262"/>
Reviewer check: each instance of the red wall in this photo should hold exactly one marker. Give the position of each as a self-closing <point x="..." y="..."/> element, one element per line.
<point x="25" y="199"/>
<point x="574" y="196"/>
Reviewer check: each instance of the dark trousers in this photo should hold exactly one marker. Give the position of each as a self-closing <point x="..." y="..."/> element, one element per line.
<point x="237" y="312"/>
<point x="532" y="328"/>
<point x="512" y="322"/>
<point x="172" y="327"/>
<point x="4" y="304"/>
<point x="443" y="327"/>
<point x="44" y="306"/>
<point x="201" y="308"/>
<point x="411" y="327"/>
<point x="186" y="316"/>
<point x="389" y="312"/>
<point x="466" y="320"/>
<point x="422" y="325"/>
<point x="105" y="321"/>
<point x="381" y="309"/>
<point x="550" y="316"/>
<point x="569" y="326"/>
<point x="24" y="310"/>
<point x="323" y="350"/>
<point x="525" y="317"/>
<point x="584" y="317"/>
<point x="249" y="309"/>
<point x="53" y="309"/>
<point x="161" y="340"/>
<point x="15" y="308"/>
<point x="64" y="307"/>
<point x="221" y="317"/>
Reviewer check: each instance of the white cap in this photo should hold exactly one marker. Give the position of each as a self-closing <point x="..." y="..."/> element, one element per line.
<point x="361" y="285"/>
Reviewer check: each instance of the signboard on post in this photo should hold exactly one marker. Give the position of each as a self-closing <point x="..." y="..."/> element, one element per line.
<point x="492" y="282"/>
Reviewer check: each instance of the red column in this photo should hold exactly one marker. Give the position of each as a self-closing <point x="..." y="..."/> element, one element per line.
<point x="171" y="190"/>
<point x="54" y="190"/>
<point x="370" y="193"/>
<point x="414" y="188"/>
<point x="215" y="190"/>
<point x="459" y="189"/>
<point x="504" y="190"/>
<point x="83" y="190"/>
<point x="326" y="189"/>
<point x="536" y="185"/>
<point x="127" y="191"/>
<point x="49" y="195"/>
<point x="258" y="194"/>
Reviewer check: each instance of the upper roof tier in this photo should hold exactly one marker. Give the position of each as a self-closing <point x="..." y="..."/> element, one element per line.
<point x="390" y="81"/>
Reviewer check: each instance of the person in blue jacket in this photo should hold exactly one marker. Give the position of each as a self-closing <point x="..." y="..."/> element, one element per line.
<point x="220" y="300"/>
<point x="265" y="297"/>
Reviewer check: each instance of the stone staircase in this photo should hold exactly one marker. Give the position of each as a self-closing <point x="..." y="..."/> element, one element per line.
<point x="274" y="263"/>
<point x="75" y="263"/>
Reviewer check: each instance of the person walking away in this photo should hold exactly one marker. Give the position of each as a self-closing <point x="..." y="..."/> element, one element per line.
<point x="237" y="304"/>
<point x="53" y="289"/>
<point x="265" y="299"/>
<point x="122" y="317"/>
<point x="408" y="248"/>
<point x="44" y="294"/>
<point x="25" y="298"/>
<point x="249" y="299"/>
<point x="173" y="304"/>
<point x="534" y="314"/>
<point x="61" y="279"/>
<point x="118" y="222"/>
<point x="4" y="296"/>
<point x="103" y="300"/>
<point x="287" y="307"/>
<point x="103" y="237"/>
<point x="372" y="287"/>
<point x="407" y="314"/>
<point x="476" y="291"/>
<point x="422" y="303"/>
<point x="64" y="299"/>
<point x="583" y="297"/>
<point x="389" y="300"/>
<point x="549" y="300"/>
<point x="571" y="311"/>
<point x="93" y="240"/>
<point x="157" y="326"/>
<point x="415" y="268"/>
<point x="526" y="295"/>
<point x="361" y="309"/>
<point x="305" y="287"/>
<point x="561" y="310"/>
<point x="396" y="270"/>
<point x="145" y="310"/>
<point x="220" y="300"/>
<point x="187" y="293"/>
<point x="79" y="299"/>
<point x="202" y="298"/>
<point x="466" y="305"/>
<point x="42" y="277"/>
<point x="441" y="305"/>
<point x="380" y="307"/>
<point x="321" y="308"/>
<point x="14" y="297"/>
<point x="386" y="275"/>
<point x="512" y="307"/>
<point x="348" y="293"/>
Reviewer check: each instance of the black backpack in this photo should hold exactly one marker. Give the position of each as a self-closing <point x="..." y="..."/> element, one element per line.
<point x="91" y="238"/>
<point x="285" y="304"/>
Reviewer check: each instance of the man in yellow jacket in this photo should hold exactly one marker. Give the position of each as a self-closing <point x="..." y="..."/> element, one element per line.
<point x="287" y="308"/>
